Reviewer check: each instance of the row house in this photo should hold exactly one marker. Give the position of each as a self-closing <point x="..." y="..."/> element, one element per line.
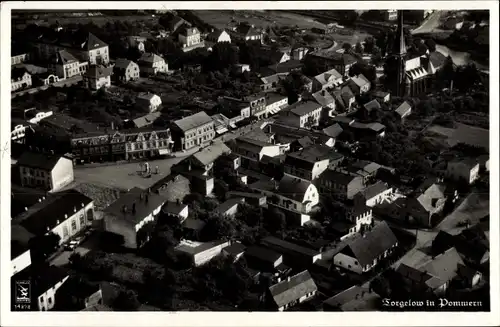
<point x="252" y="151"/>
<point x="275" y="103"/>
<point x="310" y="162"/>
<point x="123" y="145"/>
<point x="302" y="114"/>
<point x="46" y="172"/>
<point x="65" y="214"/>
<point x="133" y="216"/>
<point x="19" y="58"/>
<point x="295" y="196"/>
<point x="294" y="255"/>
<point x="342" y="186"/>
<point x="363" y="253"/>
<point x="192" y="131"/>
<point x="18" y="130"/>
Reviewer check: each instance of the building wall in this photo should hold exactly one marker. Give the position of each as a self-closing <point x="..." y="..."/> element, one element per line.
<point x="224" y="37"/>
<point x="197" y="136"/>
<point x="46" y="301"/>
<point x="123" y="228"/>
<point x="205" y="256"/>
<point x="62" y="174"/>
<point x="21" y="262"/>
<point x="37" y="178"/>
<point x="74" y="223"/>
<point x="270" y="151"/>
<point x="190" y="40"/>
<point x="19" y="59"/>
<point x="276" y="105"/>
<point x="378" y="198"/>
<point x="316" y="115"/>
<point x="98" y="56"/>
<point x="25" y="81"/>
<point x="348" y="263"/>
<point x="18" y="133"/>
<point x="354" y="187"/>
<point x="460" y="171"/>
<point x="39" y="116"/>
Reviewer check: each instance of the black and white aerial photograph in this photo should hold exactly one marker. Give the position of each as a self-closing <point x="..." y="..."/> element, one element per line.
<point x="250" y="160"/>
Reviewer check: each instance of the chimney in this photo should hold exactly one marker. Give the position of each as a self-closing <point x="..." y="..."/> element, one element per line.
<point x="178" y="201"/>
<point x="112" y="125"/>
<point x="288" y="279"/>
<point x="147" y="198"/>
<point x="149" y="189"/>
<point x="142" y="196"/>
<point x="133" y="208"/>
<point x="124" y="208"/>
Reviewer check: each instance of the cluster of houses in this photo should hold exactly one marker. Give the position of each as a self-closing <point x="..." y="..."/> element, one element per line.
<point x="283" y="159"/>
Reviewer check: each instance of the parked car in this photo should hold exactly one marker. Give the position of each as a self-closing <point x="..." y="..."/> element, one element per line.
<point x="71" y="245"/>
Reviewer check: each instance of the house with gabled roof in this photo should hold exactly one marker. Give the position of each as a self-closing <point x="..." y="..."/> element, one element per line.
<point x="146" y="120"/>
<point x="294" y="290"/>
<point x="294" y="255"/>
<point x="403" y="110"/>
<point x="190" y="38"/>
<point x="200" y="253"/>
<point x="133" y="216"/>
<point x="148" y="102"/>
<point x="252" y="151"/>
<point x="98" y="77"/>
<point x="247" y="32"/>
<point x="362" y="253"/>
<point x="463" y="169"/>
<point x="297" y="197"/>
<point x="371" y="106"/>
<point x="20" y="78"/>
<point x="153" y="64"/>
<point x="340" y="185"/>
<point x="125" y="70"/>
<point x="48" y="172"/>
<point x="427" y="203"/>
<point x="310" y="162"/>
<point x="329" y="79"/>
<point x="359" y="84"/>
<point x="382" y="96"/>
<point x="328" y="102"/>
<point x="67" y="65"/>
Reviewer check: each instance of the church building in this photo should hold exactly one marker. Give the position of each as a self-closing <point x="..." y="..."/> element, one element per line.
<point x="410" y="76"/>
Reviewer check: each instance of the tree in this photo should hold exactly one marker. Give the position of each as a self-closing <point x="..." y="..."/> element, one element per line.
<point x="43" y="246"/>
<point x="218" y="227"/>
<point x="369" y="44"/>
<point x="376" y="56"/>
<point x="223" y="55"/>
<point x="346" y="46"/>
<point x="431" y="44"/>
<point x="221" y="188"/>
<point x="294" y="86"/>
<point x="275" y="220"/>
<point x="358" y="48"/>
<point x="126" y="301"/>
<point x="309" y="38"/>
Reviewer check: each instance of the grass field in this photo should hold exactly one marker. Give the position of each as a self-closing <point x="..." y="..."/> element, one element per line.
<point x="462" y="134"/>
<point x="220" y="19"/>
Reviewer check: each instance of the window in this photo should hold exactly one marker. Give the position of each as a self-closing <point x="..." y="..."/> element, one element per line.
<point x="73" y="225"/>
<point x="50" y="300"/>
<point x="355" y="263"/>
<point x="82" y="220"/>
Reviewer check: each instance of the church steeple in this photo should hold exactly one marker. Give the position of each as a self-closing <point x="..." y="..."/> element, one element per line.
<point x="399" y="46"/>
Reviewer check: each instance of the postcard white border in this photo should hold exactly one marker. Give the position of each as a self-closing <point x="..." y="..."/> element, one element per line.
<point x="242" y="319"/>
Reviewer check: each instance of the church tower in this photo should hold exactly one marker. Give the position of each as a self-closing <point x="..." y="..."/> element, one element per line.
<point x="396" y="62"/>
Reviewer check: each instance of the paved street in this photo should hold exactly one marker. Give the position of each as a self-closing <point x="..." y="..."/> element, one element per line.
<point x="89" y="244"/>
<point x="473" y="207"/>
<point x="430" y="24"/>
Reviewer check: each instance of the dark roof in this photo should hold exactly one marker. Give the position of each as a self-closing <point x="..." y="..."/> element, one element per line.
<point x="64" y="57"/>
<point x="53" y="211"/>
<point x="437" y="59"/>
<point x="371" y="245"/>
<point x="76" y="287"/>
<point x="38" y="160"/>
<point x="262" y="254"/>
<point x="17" y="73"/>
<point x="173" y="207"/>
<point x="42" y="278"/>
<point x="372" y="105"/>
<point x="235" y="249"/>
<point x="302" y="108"/>
<point x="333" y="130"/>
<point x="293" y="188"/>
<point x="247" y="30"/>
<point x="338" y="177"/>
<point x="374" y="190"/>
<point x="193" y="224"/>
<point x="193" y="121"/>
<point x="444" y="266"/>
<point x="98" y="71"/>
<point x="286" y="67"/>
<point x="413" y="274"/>
<point x="293" y="289"/>
<point x="143" y="207"/>
<point x="288" y="246"/>
<point x="403" y="108"/>
<point x="17" y="248"/>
